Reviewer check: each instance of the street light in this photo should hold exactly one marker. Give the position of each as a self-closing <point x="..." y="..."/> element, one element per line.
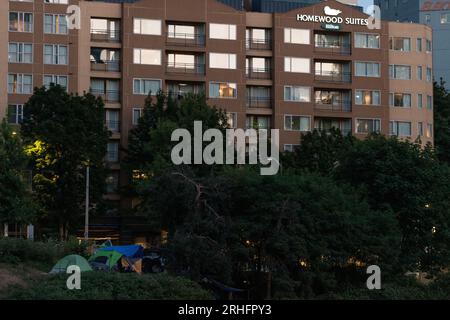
<point x="86" y="216"/>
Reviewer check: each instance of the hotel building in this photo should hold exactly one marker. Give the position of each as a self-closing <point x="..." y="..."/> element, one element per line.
<point x="289" y="70"/>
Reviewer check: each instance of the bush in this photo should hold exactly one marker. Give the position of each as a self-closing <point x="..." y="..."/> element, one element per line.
<point x="404" y="289"/>
<point x="47" y="253"/>
<point x="112" y="286"/>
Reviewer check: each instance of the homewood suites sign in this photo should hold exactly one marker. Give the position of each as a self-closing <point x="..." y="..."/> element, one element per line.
<point x="332" y="17"/>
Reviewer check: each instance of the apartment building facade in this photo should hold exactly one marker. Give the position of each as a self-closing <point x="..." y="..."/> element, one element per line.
<point x="434" y="13"/>
<point x="267" y="70"/>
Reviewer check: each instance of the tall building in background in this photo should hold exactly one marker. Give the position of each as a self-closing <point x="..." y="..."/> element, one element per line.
<point x="271" y="6"/>
<point x="267" y="70"/>
<point x="434" y="13"/>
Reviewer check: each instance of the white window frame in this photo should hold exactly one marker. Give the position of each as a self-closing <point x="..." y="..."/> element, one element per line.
<point x="141" y="81"/>
<point x="296" y="115"/>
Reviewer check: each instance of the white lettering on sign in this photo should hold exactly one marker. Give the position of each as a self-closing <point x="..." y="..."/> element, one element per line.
<point x="331" y="17"/>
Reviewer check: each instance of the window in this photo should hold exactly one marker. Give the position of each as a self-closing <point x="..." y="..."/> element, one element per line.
<point x="367" y="40"/>
<point x="298" y="94"/>
<point x="296" y="36"/>
<point x="112" y="120"/>
<point x="290" y="147"/>
<point x="15" y="113"/>
<point x="222" y="31"/>
<point x="147" y="56"/>
<point x="183" y="61"/>
<point x="145" y="86"/>
<point x="147" y="26"/>
<point x="429" y="74"/>
<point x="400" y="44"/>
<point x="428" y="18"/>
<point x="429" y="102"/>
<point x="222" y="60"/>
<point x="420" y="129"/>
<point x="20" y="83"/>
<point x="112" y="182"/>
<point x="368" y="125"/>
<point x="429" y="133"/>
<point x="181" y="31"/>
<point x="257" y="122"/>
<point x="367" y="69"/>
<point x="445" y="18"/>
<point x="420" y="101"/>
<point x="419" y="45"/>
<point x="20" y="52"/>
<point x="297" y="123"/>
<point x="137" y="114"/>
<point x="400" y="128"/>
<point x="232" y="119"/>
<point x="55" y="24"/>
<point x="222" y="90"/>
<point x="368" y="97"/>
<point x="429" y="46"/>
<point x="399" y="72"/>
<point x="56" y="1"/>
<point x="112" y="152"/>
<point x="55" y="54"/>
<point x="21" y="21"/>
<point x="401" y="100"/>
<point x="419" y="73"/>
<point x="55" y="79"/>
<point x="300" y="65"/>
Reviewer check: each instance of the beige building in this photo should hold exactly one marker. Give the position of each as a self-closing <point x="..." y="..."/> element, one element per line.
<point x="309" y="68"/>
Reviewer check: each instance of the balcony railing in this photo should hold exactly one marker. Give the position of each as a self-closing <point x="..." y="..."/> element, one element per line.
<point x="108" y="95"/>
<point x="258" y="73"/>
<point x="185" y="68"/>
<point x="111" y="65"/>
<point x="330" y="76"/>
<point x="344" y="131"/>
<point x="339" y="105"/>
<point x="113" y="125"/>
<point x="258" y="102"/>
<point x="185" y="39"/>
<point x="333" y="48"/>
<point x="104" y="35"/>
<point x="258" y="44"/>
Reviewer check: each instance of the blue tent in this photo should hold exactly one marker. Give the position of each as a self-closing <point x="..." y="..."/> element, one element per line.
<point x="133" y="251"/>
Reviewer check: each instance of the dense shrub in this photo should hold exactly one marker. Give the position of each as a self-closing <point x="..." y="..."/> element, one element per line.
<point x="18" y="250"/>
<point x="111" y="286"/>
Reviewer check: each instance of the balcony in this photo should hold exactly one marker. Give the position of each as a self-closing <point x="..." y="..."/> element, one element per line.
<point x="185" y="68"/>
<point x="333" y="48"/>
<point x="332" y="76"/>
<point x="112" y="96"/>
<point x="337" y="105"/>
<point x="109" y="65"/>
<point x="258" y="73"/>
<point x="185" y="39"/>
<point x="104" y="35"/>
<point x="258" y="102"/>
<point x="258" y="44"/>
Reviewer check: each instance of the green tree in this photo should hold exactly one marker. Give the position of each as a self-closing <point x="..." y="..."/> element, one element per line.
<point x="442" y="121"/>
<point x="305" y="229"/>
<point x="409" y="180"/>
<point x="15" y="197"/>
<point x="150" y="144"/>
<point x="63" y="134"/>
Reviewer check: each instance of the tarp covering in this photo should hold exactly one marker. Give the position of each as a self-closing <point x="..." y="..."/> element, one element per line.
<point x="134" y="251"/>
<point x="112" y="256"/>
<point x="72" y="260"/>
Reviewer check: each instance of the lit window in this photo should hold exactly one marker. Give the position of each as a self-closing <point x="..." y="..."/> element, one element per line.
<point x="222" y="90"/>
